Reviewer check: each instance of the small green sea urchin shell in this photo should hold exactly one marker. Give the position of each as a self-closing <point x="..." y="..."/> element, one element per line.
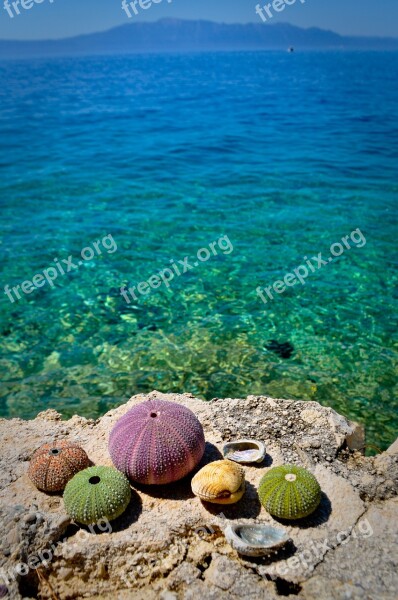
<point x="97" y="493"/>
<point x="289" y="492"/>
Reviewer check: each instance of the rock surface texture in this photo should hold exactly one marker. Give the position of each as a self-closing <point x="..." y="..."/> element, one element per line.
<point x="168" y="545"/>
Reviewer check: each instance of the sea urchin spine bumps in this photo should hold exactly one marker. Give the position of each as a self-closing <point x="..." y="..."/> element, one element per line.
<point x="289" y="492"/>
<point x="157" y="442"/>
<point x="97" y="493"/>
<point x="53" y="465"/>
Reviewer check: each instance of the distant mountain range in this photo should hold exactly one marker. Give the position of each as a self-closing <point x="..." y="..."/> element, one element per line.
<point x="175" y="35"/>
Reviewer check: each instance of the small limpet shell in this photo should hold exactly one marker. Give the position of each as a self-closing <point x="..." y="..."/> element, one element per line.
<point x="245" y="451"/>
<point x="220" y="482"/>
<point x="255" y="540"/>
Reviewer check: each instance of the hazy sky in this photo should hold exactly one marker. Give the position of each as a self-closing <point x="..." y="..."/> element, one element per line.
<point x="63" y="18"/>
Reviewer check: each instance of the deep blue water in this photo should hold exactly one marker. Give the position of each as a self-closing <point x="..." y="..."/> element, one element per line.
<point x="285" y="154"/>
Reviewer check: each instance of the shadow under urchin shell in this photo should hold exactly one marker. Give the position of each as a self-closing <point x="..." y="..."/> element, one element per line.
<point x="97" y="493"/>
<point x="157" y="442"/>
<point x="55" y="463"/>
<point x="320" y="515"/>
<point x="181" y="489"/>
<point x="248" y="507"/>
<point x="289" y="492"/>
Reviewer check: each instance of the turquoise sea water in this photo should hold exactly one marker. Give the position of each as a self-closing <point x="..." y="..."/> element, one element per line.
<point x="285" y="154"/>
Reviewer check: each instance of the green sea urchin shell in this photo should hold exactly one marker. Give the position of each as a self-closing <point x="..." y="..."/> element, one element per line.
<point x="97" y="493"/>
<point x="289" y="492"/>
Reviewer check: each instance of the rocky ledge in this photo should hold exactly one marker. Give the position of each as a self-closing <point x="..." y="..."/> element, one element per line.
<point x="169" y="546"/>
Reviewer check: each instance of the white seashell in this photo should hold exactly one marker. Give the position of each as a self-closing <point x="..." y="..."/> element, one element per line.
<point x="255" y="540"/>
<point x="245" y="451"/>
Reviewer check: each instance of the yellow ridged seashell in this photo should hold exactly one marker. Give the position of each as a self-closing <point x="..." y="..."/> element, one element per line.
<point x="220" y="482"/>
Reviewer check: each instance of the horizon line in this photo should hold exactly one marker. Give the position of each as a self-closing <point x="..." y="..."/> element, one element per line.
<point x="162" y="19"/>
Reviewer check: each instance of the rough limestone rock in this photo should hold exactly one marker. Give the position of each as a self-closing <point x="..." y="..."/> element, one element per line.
<point x="170" y="546"/>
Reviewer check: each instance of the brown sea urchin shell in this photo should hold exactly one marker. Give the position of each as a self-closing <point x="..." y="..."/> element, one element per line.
<point x="53" y="465"/>
<point x="220" y="482"/>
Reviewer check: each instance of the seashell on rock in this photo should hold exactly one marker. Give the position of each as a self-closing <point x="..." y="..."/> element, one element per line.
<point x="244" y="451"/>
<point x="220" y="482"/>
<point x="255" y="540"/>
<point x="289" y="492"/>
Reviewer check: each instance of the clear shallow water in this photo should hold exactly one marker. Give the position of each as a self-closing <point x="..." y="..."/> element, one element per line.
<point x="285" y="154"/>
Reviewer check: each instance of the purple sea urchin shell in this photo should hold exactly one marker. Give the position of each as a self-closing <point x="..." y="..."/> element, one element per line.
<point x="3" y="591"/>
<point x="157" y="442"/>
